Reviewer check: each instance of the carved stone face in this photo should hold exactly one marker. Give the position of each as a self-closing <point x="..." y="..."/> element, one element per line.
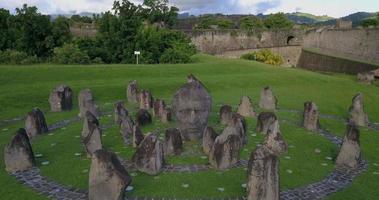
<point x="191" y="106"/>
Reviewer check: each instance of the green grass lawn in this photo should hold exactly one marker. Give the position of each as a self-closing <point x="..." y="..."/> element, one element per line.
<point x="25" y="87"/>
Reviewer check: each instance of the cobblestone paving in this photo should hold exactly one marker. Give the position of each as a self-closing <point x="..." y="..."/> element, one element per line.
<point x="33" y="179"/>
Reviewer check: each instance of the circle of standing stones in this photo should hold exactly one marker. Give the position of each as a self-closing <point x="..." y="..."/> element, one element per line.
<point x="191" y="106"/>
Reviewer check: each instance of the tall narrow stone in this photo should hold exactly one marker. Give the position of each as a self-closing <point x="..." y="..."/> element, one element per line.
<point x="246" y="108"/>
<point x="311" y="116"/>
<point x="274" y="140"/>
<point x="35" y="123"/>
<point x="264" y="121"/>
<point x="87" y="103"/>
<point x="132" y="92"/>
<point x="145" y="100"/>
<point x="159" y="107"/>
<point x="173" y="142"/>
<point x="166" y="115"/>
<point x="18" y="154"/>
<point x="209" y="138"/>
<point x="366" y="77"/>
<point x="91" y="134"/>
<point x="191" y="107"/>
<point x="149" y="157"/>
<point x="143" y="117"/>
<point x="108" y="179"/>
<point x="356" y="111"/>
<point x="126" y="129"/>
<point x="120" y="113"/>
<point x="61" y="99"/>
<point x="137" y="136"/>
<point x="225" y="114"/>
<point x="268" y="100"/>
<point x="350" y="153"/>
<point x="238" y="122"/>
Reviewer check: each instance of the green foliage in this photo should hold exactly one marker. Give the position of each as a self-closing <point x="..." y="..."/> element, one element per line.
<point x="278" y="21"/>
<point x="264" y="56"/>
<point x="16" y="57"/>
<point x="158" y="11"/>
<point x="224" y="23"/>
<point x="369" y="22"/>
<point x="249" y="23"/>
<point x="70" y="54"/>
<point x="208" y="21"/>
<point x="61" y="30"/>
<point x="81" y="19"/>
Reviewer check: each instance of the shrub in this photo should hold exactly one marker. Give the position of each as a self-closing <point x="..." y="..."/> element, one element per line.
<point x="265" y="56"/>
<point x="70" y="54"/>
<point x="175" y="56"/>
<point x="97" y="60"/>
<point x="16" y="57"/>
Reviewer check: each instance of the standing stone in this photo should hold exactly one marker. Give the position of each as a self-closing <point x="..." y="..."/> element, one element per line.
<point x="225" y="114"/>
<point x="356" y="111"/>
<point x="126" y="129"/>
<point x="173" y="142"/>
<point x="148" y="157"/>
<point x="35" y="123"/>
<point x="143" y="117"/>
<point x="87" y="103"/>
<point x="311" y="116"/>
<point x="239" y="124"/>
<point x="366" y="77"/>
<point x="132" y="92"/>
<point x="191" y="107"/>
<point x="159" y="107"/>
<point x="61" y="99"/>
<point x="246" y="107"/>
<point x="91" y="134"/>
<point x="263" y="175"/>
<point x="274" y="140"/>
<point x="225" y="150"/>
<point x="264" y="121"/>
<point x="166" y="115"/>
<point x="350" y="153"/>
<point x="263" y="166"/>
<point x="137" y="136"/>
<point x="18" y="154"/>
<point x="209" y="138"/>
<point x="108" y="179"/>
<point x="191" y="78"/>
<point x="268" y="101"/>
<point x="120" y="113"/>
<point x="145" y="100"/>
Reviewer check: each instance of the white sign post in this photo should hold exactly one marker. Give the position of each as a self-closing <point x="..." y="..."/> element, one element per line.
<point x="137" y="53"/>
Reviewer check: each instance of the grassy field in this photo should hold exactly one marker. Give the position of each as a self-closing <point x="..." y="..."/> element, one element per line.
<point x="25" y="87"/>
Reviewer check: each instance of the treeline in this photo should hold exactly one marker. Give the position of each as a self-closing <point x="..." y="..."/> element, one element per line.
<point x="371" y="22"/>
<point x="30" y="37"/>
<point x="273" y="21"/>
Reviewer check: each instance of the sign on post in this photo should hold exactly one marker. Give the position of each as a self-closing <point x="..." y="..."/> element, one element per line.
<point x="137" y="53"/>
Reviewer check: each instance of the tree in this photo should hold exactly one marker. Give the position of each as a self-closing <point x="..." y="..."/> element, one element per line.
<point x="158" y="11"/>
<point x="278" y="21"/>
<point x="5" y="37"/>
<point x="224" y="23"/>
<point x="250" y="23"/>
<point x="61" y="30"/>
<point x="369" y="22"/>
<point x="81" y="19"/>
<point x="36" y="37"/>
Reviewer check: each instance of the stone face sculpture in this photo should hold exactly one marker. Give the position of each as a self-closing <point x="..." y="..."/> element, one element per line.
<point x="350" y="153"/>
<point x="191" y="107"/>
<point x="268" y="101"/>
<point x="149" y="157"/>
<point x="18" y="154"/>
<point x="35" y="123"/>
<point x="246" y="108"/>
<point x="311" y="116"/>
<point x="173" y="142"/>
<point x="263" y="175"/>
<point x="264" y="120"/>
<point x="91" y="134"/>
<point x="225" y="114"/>
<point x="225" y="150"/>
<point x="87" y="103"/>
<point x="108" y="179"/>
<point x="143" y="117"/>
<point x="356" y="111"/>
<point x="263" y="166"/>
<point x="209" y="138"/>
<point x="137" y="136"/>
<point x="366" y="77"/>
<point x="61" y="99"/>
<point x="145" y="100"/>
<point x="132" y="92"/>
<point x="126" y="128"/>
<point x="120" y="113"/>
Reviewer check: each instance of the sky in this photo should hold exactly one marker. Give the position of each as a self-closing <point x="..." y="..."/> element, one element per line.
<point x="334" y="8"/>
